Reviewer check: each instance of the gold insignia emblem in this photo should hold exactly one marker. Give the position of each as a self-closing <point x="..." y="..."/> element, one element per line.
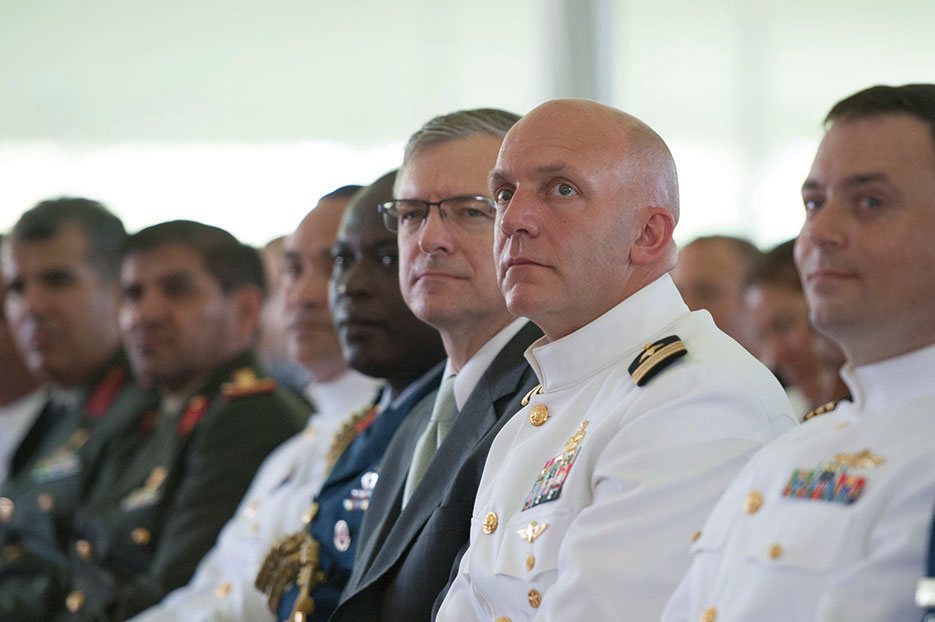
<point x="859" y="459"/>
<point x="310" y="514"/>
<point x="576" y="438"/>
<point x="823" y="409"/>
<point x="532" y="531"/>
<point x="78" y="438"/>
<point x="156" y="477"/>
<point x="536" y="390"/>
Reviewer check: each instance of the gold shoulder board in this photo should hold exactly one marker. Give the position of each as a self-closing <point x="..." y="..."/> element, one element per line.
<point x="244" y="382"/>
<point x="655" y="357"/>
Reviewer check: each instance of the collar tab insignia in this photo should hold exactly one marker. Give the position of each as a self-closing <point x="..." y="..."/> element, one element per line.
<point x="823" y="409"/>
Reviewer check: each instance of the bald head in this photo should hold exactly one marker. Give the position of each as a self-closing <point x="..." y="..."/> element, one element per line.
<point x="587" y="200"/>
<point x="629" y="148"/>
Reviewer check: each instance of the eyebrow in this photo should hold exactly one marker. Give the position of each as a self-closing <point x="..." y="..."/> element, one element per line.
<point x="546" y="169"/>
<point x="852" y="181"/>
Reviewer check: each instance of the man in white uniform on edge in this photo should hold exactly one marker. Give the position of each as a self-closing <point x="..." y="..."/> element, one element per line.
<point x="591" y="492"/>
<point x="831" y="522"/>
<point x="222" y="587"/>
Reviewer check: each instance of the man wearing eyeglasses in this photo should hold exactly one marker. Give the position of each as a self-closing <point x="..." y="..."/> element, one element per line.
<point x="591" y="492"/>
<point x="420" y="511"/>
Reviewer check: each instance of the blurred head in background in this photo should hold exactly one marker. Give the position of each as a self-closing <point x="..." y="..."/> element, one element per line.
<point x="60" y="267"/>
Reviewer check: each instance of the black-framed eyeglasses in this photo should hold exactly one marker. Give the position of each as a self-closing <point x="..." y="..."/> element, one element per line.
<point x="473" y="214"/>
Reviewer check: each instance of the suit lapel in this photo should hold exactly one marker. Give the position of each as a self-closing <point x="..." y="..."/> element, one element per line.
<point x="502" y="378"/>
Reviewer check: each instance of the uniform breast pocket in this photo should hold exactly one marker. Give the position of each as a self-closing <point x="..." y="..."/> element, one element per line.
<point x="531" y="542"/>
<point x="803" y="534"/>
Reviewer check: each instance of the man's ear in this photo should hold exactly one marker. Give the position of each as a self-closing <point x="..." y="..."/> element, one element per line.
<point x="247" y="302"/>
<point x="655" y="237"/>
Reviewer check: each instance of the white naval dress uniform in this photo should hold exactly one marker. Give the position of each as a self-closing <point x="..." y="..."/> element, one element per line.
<point x="222" y="587"/>
<point x="648" y="463"/>
<point x="769" y="552"/>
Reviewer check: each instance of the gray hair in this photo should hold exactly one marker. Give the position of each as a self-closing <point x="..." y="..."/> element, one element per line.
<point x="460" y="124"/>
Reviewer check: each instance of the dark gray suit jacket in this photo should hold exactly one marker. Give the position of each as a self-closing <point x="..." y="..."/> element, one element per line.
<point x="406" y="555"/>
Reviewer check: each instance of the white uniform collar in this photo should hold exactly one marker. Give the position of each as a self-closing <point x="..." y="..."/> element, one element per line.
<point x="894" y="381"/>
<point x="344" y="394"/>
<point x="471" y="372"/>
<point x="608" y="338"/>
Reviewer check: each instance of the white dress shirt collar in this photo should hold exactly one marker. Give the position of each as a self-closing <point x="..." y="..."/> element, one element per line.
<point x="886" y="384"/>
<point x="344" y="394"/>
<point x="471" y="372"/>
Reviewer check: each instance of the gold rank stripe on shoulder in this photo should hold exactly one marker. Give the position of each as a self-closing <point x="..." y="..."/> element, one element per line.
<point x="245" y="382"/>
<point x="823" y="409"/>
<point x="655" y="357"/>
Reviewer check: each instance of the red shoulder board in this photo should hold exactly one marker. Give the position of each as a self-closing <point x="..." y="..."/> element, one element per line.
<point x="193" y="413"/>
<point x="244" y="382"/>
<point x="105" y="392"/>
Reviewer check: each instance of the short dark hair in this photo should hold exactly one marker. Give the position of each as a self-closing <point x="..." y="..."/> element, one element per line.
<point x="344" y="192"/>
<point x="917" y="100"/>
<point x="230" y="262"/>
<point x="103" y="231"/>
<point x="776" y="267"/>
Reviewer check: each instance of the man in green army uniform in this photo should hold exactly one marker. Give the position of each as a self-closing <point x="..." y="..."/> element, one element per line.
<point x="192" y="296"/>
<point x="60" y="266"/>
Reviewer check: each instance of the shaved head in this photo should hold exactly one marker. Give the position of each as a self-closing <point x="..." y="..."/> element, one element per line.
<point x="587" y="200"/>
<point x="634" y="151"/>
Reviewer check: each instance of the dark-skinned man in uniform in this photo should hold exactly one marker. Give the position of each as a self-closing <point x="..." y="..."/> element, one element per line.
<point x="303" y="576"/>
<point x="60" y="268"/>
<point x="191" y="303"/>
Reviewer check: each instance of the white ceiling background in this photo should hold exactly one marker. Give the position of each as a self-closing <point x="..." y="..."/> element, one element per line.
<point x="241" y="113"/>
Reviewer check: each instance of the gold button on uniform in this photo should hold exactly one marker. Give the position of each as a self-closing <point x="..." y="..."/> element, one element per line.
<point x="6" y="509"/>
<point x="84" y="549"/>
<point x="12" y="552"/>
<point x="709" y="615"/>
<point x="490" y="522"/>
<point x="75" y="601"/>
<point x="503" y="619"/>
<point x="539" y="414"/>
<point x="776" y="551"/>
<point x="530" y="562"/>
<point x="695" y="536"/>
<point x="223" y="589"/>
<point x="535" y="598"/>
<point x="753" y="502"/>
<point x="46" y="502"/>
<point x="141" y="536"/>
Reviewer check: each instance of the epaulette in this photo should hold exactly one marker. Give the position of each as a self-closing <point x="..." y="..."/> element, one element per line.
<point x="655" y="357"/>
<point x="823" y="409"/>
<point x="244" y="382"/>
